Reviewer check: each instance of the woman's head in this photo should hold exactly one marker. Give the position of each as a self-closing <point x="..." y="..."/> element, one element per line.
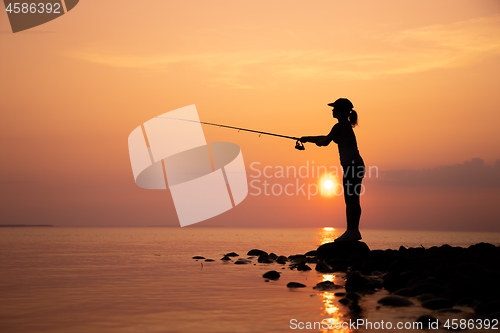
<point x="343" y="109"/>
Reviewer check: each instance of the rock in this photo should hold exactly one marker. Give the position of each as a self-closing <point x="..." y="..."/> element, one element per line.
<point x="353" y="296"/>
<point x="281" y="260"/>
<point x="339" y="294"/>
<point x="487" y="308"/>
<point x="209" y="260"/>
<point x="342" y="250"/>
<point x="402" y="292"/>
<point x="198" y="257"/>
<point x="303" y="267"/>
<point x="323" y="267"/>
<point x="311" y="253"/>
<point x="424" y="297"/>
<point x="493" y="316"/>
<point x="256" y="252"/>
<point x="449" y="310"/>
<point x="271" y="275"/>
<point x="355" y="282"/>
<point x="265" y="259"/>
<point x="225" y="258"/>
<point x="439" y="303"/>
<point x="482" y="247"/>
<point x="339" y="265"/>
<point x="297" y="258"/>
<point x="295" y="285"/>
<point x="394" y="281"/>
<point x="232" y="254"/>
<point x="273" y="256"/>
<point x="427" y="321"/>
<point x="344" y="301"/>
<point x="354" y="309"/>
<point x="465" y="301"/>
<point x="395" y="301"/>
<point x="242" y="261"/>
<point x="327" y="285"/>
<point x="425" y="288"/>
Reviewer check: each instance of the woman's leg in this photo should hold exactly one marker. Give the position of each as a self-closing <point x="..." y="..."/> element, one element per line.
<point x="352" y="191"/>
<point x="353" y="214"/>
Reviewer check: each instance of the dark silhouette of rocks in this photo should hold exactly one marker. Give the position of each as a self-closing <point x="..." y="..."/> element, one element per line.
<point x="256" y="252"/>
<point x="355" y="282"/>
<point x="297" y="259"/>
<point x="232" y="254"/>
<point x="427" y="321"/>
<point x="209" y="260"/>
<point x="303" y="267"/>
<point x="344" y="301"/>
<point x="273" y="256"/>
<point x="327" y="285"/>
<point x="402" y="292"/>
<point x="438" y="278"/>
<point x="265" y="259"/>
<point x="487" y="308"/>
<point x="436" y="304"/>
<point x="395" y="301"/>
<point x="323" y="267"/>
<point x="271" y="275"/>
<point x="281" y="260"/>
<point x="342" y="250"/>
<point x="242" y="261"/>
<point x="353" y="296"/>
<point x="425" y="297"/>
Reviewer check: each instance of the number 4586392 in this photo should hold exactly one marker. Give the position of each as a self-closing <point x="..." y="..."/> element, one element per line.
<point x="33" y="8"/>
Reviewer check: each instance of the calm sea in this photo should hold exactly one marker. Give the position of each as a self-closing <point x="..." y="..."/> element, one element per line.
<point x="144" y="280"/>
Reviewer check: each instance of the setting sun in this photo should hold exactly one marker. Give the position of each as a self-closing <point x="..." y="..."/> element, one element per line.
<point x="328" y="228"/>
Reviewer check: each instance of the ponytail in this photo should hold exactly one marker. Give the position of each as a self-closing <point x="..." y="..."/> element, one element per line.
<point x="353" y="118"/>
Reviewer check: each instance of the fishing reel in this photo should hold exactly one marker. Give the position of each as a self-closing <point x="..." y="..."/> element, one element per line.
<point x="299" y="145"/>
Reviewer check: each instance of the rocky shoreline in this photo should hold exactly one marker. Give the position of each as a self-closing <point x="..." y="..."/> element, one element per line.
<point x="441" y="279"/>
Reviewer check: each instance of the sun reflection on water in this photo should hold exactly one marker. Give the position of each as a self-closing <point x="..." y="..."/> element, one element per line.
<point x="328" y="235"/>
<point x="335" y="317"/>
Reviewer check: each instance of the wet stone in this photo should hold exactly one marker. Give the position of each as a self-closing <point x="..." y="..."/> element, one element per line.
<point x="271" y="275"/>
<point x="256" y="252"/>
<point x="395" y="301"/>
<point x="327" y="285"/>
<point x="303" y="267"/>
<point x="435" y="304"/>
<point x="242" y="261"/>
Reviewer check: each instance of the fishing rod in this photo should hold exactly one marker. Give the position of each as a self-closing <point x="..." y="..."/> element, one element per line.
<point x="298" y="145"/>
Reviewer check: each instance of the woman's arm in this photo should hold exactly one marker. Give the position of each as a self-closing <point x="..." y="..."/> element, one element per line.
<point x="322" y="140"/>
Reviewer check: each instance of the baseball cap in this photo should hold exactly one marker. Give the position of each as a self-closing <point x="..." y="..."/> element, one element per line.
<point x="342" y="103"/>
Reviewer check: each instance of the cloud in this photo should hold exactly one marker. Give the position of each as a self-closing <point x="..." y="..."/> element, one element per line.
<point x="394" y="53"/>
<point x="472" y="173"/>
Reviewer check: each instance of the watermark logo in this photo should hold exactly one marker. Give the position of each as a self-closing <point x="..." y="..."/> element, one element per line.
<point x="28" y="14"/>
<point x="205" y="180"/>
<point x="309" y="180"/>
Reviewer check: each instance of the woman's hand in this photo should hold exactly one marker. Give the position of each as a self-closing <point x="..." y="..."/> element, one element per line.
<point x="304" y="139"/>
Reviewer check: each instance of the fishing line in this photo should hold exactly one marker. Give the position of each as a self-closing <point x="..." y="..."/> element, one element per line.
<point x="298" y="145"/>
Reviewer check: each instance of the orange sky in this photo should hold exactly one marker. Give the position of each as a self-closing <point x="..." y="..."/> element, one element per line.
<point x="423" y="77"/>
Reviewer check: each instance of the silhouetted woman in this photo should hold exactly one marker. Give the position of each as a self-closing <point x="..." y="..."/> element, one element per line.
<point x="352" y="163"/>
